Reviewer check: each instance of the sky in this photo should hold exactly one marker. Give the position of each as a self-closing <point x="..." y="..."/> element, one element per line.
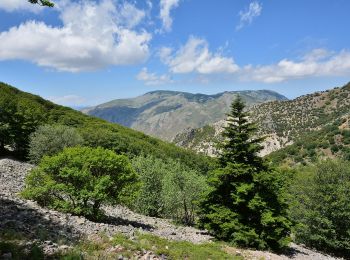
<point x="83" y="53"/>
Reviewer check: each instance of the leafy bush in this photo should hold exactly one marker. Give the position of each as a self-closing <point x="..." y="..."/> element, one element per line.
<point x="321" y="206"/>
<point x="182" y="189"/>
<point x="80" y="179"/>
<point x="151" y="171"/>
<point x="168" y="189"/>
<point x="52" y="139"/>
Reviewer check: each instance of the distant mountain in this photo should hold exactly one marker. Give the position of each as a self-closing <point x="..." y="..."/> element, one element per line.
<point x="309" y="127"/>
<point x="164" y="114"/>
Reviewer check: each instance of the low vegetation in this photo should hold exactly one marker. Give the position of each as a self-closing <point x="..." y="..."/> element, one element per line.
<point x="79" y="180"/>
<point x="157" y="245"/>
<point x="49" y="140"/>
<point x="168" y="189"/>
<point x="320" y="204"/>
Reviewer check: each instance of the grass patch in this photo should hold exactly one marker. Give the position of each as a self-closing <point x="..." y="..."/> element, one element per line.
<point x="121" y="245"/>
<point x="19" y="252"/>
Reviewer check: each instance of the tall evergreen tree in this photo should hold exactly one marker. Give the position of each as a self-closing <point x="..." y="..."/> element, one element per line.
<point x="245" y="204"/>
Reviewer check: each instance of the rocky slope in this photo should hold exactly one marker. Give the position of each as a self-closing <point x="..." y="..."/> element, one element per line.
<point x="34" y="221"/>
<point x="285" y="122"/>
<point x="58" y="232"/>
<point x="166" y="113"/>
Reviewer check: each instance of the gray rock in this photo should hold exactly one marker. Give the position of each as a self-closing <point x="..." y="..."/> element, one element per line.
<point x="6" y="256"/>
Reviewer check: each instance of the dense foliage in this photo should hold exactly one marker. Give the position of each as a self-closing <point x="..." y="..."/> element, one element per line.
<point x="321" y="205"/>
<point x="151" y="171"/>
<point x="168" y="189"/>
<point x="52" y="139"/>
<point x="80" y="179"/>
<point x="21" y="113"/>
<point x="246" y="203"/>
<point x="182" y="189"/>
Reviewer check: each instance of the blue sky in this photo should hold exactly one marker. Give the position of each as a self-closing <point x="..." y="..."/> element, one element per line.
<point x="87" y="52"/>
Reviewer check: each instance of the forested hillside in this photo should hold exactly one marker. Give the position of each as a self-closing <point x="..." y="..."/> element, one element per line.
<point x="21" y="113"/>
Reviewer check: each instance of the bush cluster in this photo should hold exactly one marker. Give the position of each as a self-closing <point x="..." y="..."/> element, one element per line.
<point x="320" y="204"/>
<point x="168" y="189"/>
<point x="80" y="179"/>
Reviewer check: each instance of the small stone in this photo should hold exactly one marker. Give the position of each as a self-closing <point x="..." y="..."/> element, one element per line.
<point x="120" y="257"/>
<point x="6" y="256"/>
<point x="80" y="221"/>
<point x="63" y="247"/>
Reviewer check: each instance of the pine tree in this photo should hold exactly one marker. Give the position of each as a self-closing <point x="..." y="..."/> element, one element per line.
<point x="245" y="204"/>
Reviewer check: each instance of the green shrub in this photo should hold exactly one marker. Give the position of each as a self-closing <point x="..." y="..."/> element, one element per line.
<point x="321" y="206"/>
<point x="182" y="189"/>
<point x="151" y="171"/>
<point x="168" y="189"/>
<point x="80" y="179"/>
<point x="52" y="139"/>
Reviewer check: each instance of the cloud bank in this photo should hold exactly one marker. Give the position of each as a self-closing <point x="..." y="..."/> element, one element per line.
<point x="93" y="36"/>
<point x="195" y="56"/>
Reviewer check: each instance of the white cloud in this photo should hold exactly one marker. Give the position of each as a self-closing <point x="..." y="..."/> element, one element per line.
<point x="152" y="78"/>
<point x="165" y="8"/>
<point x="195" y="56"/>
<point x="130" y="15"/>
<point x="317" y="63"/>
<point x="93" y="36"/>
<point x="18" y="5"/>
<point x="68" y="100"/>
<point x="247" y="16"/>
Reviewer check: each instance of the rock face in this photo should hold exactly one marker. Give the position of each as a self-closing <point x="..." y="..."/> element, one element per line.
<point x="164" y="114"/>
<point x="202" y="140"/>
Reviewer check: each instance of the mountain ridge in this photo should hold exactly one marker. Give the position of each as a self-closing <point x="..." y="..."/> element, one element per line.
<point x="317" y="118"/>
<point x="165" y="113"/>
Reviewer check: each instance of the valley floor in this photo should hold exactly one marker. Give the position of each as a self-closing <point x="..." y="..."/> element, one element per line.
<point x="58" y="232"/>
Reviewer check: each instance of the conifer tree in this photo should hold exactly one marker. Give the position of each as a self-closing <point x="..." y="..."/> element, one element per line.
<point x="245" y="203"/>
